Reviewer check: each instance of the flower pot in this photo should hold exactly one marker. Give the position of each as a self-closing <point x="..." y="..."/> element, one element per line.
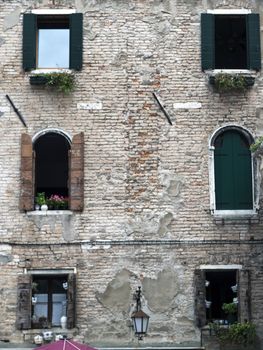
<point x="63" y="322"/>
<point x="44" y="207"/>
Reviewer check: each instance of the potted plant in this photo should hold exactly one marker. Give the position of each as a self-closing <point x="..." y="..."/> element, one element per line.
<point x="225" y="82"/>
<point x="57" y="202"/>
<point x="230" y="310"/>
<point x="41" y="200"/>
<point x="62" y="81"/>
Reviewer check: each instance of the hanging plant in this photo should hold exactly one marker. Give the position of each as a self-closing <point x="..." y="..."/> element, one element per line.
<point x="63" y="82"/>
<point x="225" y="82"/>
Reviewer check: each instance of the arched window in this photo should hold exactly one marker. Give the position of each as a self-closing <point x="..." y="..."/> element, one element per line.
<point x="232" y="170"/>
<point x="53" y="164"/>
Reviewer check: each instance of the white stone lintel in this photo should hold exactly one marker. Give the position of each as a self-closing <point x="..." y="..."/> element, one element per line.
<point x="221" y="267"/>
<point x="90" y="105"/>
<point x="53" y="11"/>
<point x="229" y="11"/>
<point x="188" y="105"/>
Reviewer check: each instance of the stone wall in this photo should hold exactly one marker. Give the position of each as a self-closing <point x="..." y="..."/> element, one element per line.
<point x="147" y="217"/>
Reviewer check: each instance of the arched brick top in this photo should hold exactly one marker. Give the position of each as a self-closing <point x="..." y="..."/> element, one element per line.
<point x="52" y="130"/>
<point x="238" y="128"/>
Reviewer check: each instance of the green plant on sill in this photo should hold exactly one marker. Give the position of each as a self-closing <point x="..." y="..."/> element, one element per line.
<point x="237" y="333"/>
<point x="256" y="145"/>
<point x="41" y="198"/>
<point x="230" y="308"/>
<point x="64" y="82"/>
<point x="229" y="82"/>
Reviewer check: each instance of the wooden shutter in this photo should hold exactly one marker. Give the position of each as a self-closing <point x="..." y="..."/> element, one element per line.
<point x="233" y="172"/>
<point x="29" y="41"/>
<point x="76" y="173"/>
<point x="71" y="301"/>
<point x="24" y="295"/>
<point x="253" y="41"/>
<point x="200" y="294"/>
<point x="76" y="34"/>
<point x="26" y="173"/>
<point x="244" y="295"/>
<point x="207" y="41"/>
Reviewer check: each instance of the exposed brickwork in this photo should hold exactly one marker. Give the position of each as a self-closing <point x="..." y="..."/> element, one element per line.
<point x="144" y="179"/>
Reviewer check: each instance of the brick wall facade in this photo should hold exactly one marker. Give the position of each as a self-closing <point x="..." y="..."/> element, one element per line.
<point x="146" y="218"/>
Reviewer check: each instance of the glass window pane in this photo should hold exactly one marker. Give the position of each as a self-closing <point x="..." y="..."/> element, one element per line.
<point x="53" y="48"/>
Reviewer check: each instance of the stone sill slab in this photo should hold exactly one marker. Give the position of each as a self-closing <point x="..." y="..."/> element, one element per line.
<point x="49" y="212"/>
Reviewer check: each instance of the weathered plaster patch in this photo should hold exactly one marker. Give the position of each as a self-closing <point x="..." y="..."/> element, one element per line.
<point x="167" y="291"/>
<point x="116" y="295"/>
<point x="12" y="19"/>
<point x="164" y="224"/>
<point x="5" y="259"/>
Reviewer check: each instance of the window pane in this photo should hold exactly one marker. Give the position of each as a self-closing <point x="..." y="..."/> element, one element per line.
<point x="53" y="48"/>
<point x="59" y="307"/>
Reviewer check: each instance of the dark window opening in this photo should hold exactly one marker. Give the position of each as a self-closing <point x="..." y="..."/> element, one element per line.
<point x="49" y="300"/>
<point x="230" y="42"/>
<point x="218" y="292"/>
<point x="51" y="165"/>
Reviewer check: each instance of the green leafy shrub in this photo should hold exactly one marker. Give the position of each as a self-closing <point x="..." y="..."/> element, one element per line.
<point x="237" y="333"/>
<point x="63" y="82"/>
<point x="255" y="146"/>
<point x="229" y="82"/>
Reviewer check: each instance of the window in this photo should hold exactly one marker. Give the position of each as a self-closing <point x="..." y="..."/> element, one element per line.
<point x="52" y="41"/>
<point x="51" y="164"/>
<point x="44" y="297"/>
<point x="54" y="165"/>
<point x="221" y="288"/>
<point x="219" y="284"/>
<point x="49" y="301"/>
<point x="230" y="41"/>
<point x="231" y="171"/>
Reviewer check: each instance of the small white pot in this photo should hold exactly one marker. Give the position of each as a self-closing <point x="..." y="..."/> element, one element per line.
<point x="63" y="322"/>
<point x="44" y="207"/>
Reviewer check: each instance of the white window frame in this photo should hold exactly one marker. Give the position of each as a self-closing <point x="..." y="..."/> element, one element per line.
<point x="47" y="12"/>
<point x="211" y="162"/>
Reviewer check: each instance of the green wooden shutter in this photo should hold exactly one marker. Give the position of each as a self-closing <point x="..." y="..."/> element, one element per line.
<point x="207" y="41"/>
<point x="76" y="33"/>
<point x="233" y="172"/>
<point x="253" y="41"/>
<point x="29" y="41"/>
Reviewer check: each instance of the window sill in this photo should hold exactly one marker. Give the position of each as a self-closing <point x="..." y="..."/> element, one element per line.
<point x="249" y="76"/>
<point x="50" y="70"/>
<point x="235" y="215"/>
<point x="49" y="212"/>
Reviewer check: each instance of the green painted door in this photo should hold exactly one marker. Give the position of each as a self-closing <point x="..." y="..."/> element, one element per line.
<point x="233" y="172"/>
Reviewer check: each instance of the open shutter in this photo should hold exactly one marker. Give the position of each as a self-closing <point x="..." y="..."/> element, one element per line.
<point x="76" y="173"/>
<point x="244" y="295"/>
<point x="71" y="301"/>
<point x="253" y="41"/>
<point x="200" y="310"/>
<point x="207" y="41"/>
<point x="76" y="33"/>
<point x="24" y="294"/>
<point x="26" y="173"/>
<point x="29" y="41"/>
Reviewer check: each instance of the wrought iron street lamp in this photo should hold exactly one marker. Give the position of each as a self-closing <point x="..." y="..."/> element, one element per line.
<point x="140" y="319"/>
